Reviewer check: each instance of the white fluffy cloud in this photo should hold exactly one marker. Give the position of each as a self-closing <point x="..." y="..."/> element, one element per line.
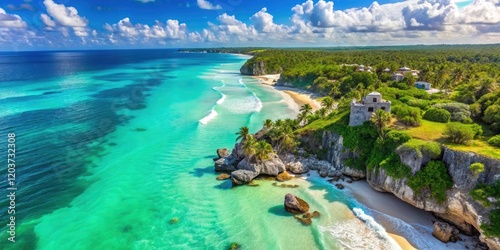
<point x="206" y="5"/>
<point x="47" y="21"/>
<point x="11" y="21"/>
<point x="170" y="30"/>
<point x="482" y="12"/>
<point x="65" y="16"/>
<point x="430" y="15"/>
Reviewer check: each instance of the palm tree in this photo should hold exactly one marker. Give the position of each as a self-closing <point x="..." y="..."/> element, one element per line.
<point x="327" y="103"/>
<point x="306" y="109"/>
<point x="243" y="133"/>
<point x="321" y="112"/>
<point x="301" y="117"/>
<point x="249" y="147"/>
<point x="286" y="139"/>
<point x="268" y="123"/>
<point x="381" y="119"/>
<point x="262" y="150"/>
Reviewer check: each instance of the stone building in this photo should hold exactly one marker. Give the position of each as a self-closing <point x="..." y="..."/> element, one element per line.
<point x="362" y="111"/>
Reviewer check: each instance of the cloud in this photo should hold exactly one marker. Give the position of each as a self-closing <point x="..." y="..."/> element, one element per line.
<point x="23" y="6"/>
<point x="65" y="16"/>
<point x="47" y="21"/>
<point x="206" y="5"/>
<point x="430" y="15"/>
<point x="10" y="20"/>
<point x="128" y="31"/>
<point x="482" y="12"/>
<point x="263" y="22"/>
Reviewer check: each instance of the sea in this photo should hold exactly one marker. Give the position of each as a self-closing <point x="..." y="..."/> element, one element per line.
<point x="114" y="150"/>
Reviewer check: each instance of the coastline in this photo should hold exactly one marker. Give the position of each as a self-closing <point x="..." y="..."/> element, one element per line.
<point x="299" y="96"/>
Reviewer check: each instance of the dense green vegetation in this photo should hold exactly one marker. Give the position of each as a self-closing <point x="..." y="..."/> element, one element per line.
<point x="434" y="177"/>
<point x="437" y="115"/>
<point x="481" y="193"/>
<point x="495" y="141"/>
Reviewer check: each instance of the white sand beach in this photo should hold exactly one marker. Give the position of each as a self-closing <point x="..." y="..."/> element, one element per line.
<point x="300" y="97"/>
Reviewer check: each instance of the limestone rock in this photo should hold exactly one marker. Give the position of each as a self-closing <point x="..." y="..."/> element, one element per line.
<point x="445" y="232"/>
<point x="284" y="176"/>
<point x="223" y="176"/>
<point x="223" y="152"/>
<point x="240" y="177"/>
<point x="339" y="186"/>
<point x="305" y="220"/>
<point x="295" y="205"/>
<point x="225" y="164"/>
<point x="297" y="168"/>
<point x="273" y="166"/>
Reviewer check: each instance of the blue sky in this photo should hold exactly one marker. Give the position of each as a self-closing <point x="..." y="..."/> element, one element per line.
<point x="95" y="24"/>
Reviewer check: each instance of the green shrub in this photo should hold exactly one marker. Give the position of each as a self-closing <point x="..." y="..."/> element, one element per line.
<point x="437" y="115"/>
<point x="394" y="167"/>
<point x="492" y="117"/>
<point x="409" y="116"/>
<point x="384" y="149"/>
<point x="476" y="168"/>
<point x="431" y="149"/>
<point x="477" y="129"/>
<point x="435" y="177"/>
<point x="460" y="112"/>
<point x="495" y="141"/>
<point x="419" y="103"/>
<point x="492" y="228"/>
<point x="482" y="191"/>
<point x="458" y="133"/>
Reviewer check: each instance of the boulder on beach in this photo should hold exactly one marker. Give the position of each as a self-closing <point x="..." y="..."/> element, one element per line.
<point x="297" y="168"/>
<point x="273" y="166"/>
<point x="223" y="176"/>
<point x="225" y="164"/>
<point x="445" y="232"/>
<point x="295" y="205"/>
<point x="284" y="176"/>
<point x="339" y="186"/>
<point x="304" y="220"/>
<point x="223" y="152"/>
<point x="240" y="177"/>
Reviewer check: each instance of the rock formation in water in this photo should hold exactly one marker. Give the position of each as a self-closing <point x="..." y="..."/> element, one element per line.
<point x="295" y="205"/>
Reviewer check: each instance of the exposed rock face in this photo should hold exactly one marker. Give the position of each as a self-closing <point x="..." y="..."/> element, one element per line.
<point x="226" y="164"/>
<point x="272" y="167"/>
<point x="223" y="152"/>
<point x="459" y="208"/>
<point x="445" y="232"/>
<point x="256" y="68"/>
<point x="241" y="177"/>
<point x="295" y="205"/>
<point x="337" y="155"/>
<point x="297" y="168"/>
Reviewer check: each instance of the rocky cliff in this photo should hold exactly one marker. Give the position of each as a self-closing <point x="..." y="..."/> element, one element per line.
<point x="459" y="208"/>
<point x="258" y="67"/>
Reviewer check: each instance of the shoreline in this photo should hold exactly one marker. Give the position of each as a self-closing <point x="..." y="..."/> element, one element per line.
<point x="299" y="96"/>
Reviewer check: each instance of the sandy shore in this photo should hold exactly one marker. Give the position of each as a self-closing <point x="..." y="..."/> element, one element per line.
<point x="402" y="242"/>
<point x="409" y="226"/>
<point x="300" y="97"/>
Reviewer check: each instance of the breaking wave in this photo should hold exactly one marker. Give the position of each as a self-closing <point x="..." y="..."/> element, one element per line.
<point x="211" y="115"/>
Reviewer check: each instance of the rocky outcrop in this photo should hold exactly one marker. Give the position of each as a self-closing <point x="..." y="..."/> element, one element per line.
<point x="337" y="154"/>
<point x="223" y="152"/>
<point x="257" y="67"/>
<point x="445" y="232"/>
<point x="297" y="167"/>
<point x="295" y="205"/>
<point x="459" y="208"/>
<point x="273" y="166"/>
<point x="240" y="177"/>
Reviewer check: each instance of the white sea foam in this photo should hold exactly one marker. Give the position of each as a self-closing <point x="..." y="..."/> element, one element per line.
<point x="221" y="100"/>
<point x="211" y="115"/>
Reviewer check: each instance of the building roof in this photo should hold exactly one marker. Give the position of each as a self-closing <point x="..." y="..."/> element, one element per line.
<point x="387" y="70"/>
<point x="404" y="68"/>
<point x="374" y="93"/>
<point x="424" y="83"/>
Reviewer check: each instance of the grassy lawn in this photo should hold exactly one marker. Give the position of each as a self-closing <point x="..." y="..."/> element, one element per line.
<point x="428" y="131"/>
<point x="433" y="131"/>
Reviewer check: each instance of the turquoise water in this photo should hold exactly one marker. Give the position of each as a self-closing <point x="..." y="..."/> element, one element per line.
<point x="111" y="156"/>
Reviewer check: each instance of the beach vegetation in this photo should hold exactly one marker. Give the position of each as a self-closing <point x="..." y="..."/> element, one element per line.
<point x="476" y="168"/>
<point x="433" y="177"/>
<point x="381" y="120"/>
<point x="495" y="141"/>
<point x="243" y="133"/>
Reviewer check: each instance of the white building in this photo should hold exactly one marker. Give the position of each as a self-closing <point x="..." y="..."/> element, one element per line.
<point x="362" y="111"/>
